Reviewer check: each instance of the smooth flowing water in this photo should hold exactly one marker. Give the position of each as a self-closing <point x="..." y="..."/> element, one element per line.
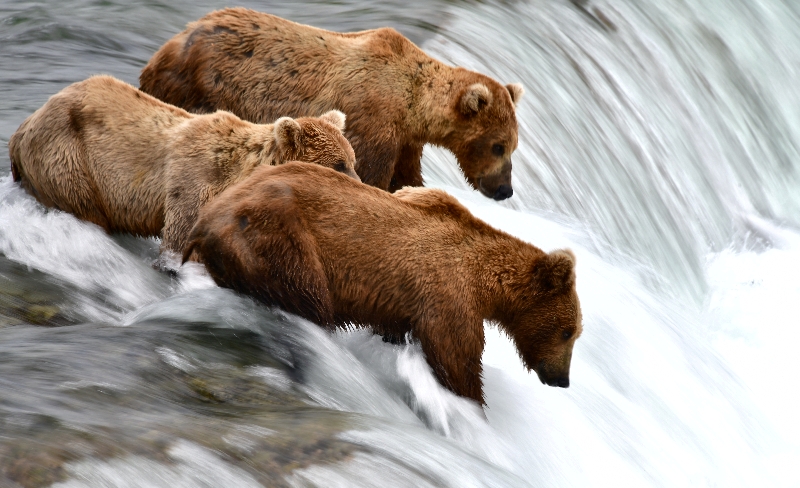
<point x="659" y="140"/>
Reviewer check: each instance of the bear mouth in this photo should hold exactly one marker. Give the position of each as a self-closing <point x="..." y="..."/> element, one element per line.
<point x="500" y="193"/>
<point x="560" y="381"/>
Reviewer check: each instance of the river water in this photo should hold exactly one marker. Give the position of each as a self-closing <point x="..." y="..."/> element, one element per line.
<point x="659" y="140"/>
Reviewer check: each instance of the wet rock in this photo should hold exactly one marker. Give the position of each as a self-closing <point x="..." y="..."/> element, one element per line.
<point x="249" y="416"/>
<point x="269" y="446"/>
<point x="29" y="297"/>
<point x="41" y="314"/>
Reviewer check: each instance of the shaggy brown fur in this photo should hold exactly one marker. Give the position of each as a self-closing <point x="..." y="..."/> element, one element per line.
<point x="336" y="251"/>
<point x="115" y="156"/>
<point x="396" y="97"/>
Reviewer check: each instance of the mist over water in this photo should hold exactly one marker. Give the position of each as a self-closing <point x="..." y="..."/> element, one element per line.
<point x="658" y="140"/>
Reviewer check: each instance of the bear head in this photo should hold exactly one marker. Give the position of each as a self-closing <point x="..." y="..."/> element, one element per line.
<point x="484" y="134"/>
<point x="545" y="316"/>
<point x="317" y="140"/>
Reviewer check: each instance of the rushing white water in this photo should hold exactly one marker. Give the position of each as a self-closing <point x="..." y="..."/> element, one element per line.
<point x="663" y="131"/>
<point x="653" y="400"/>
<point x="659" y="141"/>
<point x="672" y="135"/>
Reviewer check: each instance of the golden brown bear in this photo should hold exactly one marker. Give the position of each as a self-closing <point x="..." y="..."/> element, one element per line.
<point x="336" y="251"/>
<point x="396" y="97"/>
<point x="115" y="156"/>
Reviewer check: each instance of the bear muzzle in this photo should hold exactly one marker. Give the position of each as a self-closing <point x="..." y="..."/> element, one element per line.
<point x="561" y="381"/>
<point x="503" y="192"/>
<point x="500" y="192"/>
<point x="550" y="377"/>
<point x="497" y="186"/>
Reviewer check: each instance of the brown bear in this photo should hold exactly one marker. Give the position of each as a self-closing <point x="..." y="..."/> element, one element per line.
<point x="338" y="252"/>
<point x="396" y="97"/>
<point x="115" y="156"/>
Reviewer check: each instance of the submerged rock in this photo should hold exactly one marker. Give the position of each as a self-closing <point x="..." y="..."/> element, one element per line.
<point x="114" y="395"/>
<point x="29" y="297"/>
<point x="269" y="446"/>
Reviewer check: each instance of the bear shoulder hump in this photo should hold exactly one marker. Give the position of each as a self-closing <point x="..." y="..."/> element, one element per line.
<point x="433" y="198"/>
<point x="268" y="185"/>
<point x="387" y="40"/>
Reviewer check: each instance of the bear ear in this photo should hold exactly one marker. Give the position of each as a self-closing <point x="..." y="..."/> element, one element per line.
<point x="516" y="90"/>
<point x="335" y="118"/>
<point x="288" y="134"/>
<point x="555" y="272"/>
<point x="475" y="98"/>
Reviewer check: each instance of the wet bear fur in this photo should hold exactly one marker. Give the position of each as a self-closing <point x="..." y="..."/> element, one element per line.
<point x="338" y="252"/>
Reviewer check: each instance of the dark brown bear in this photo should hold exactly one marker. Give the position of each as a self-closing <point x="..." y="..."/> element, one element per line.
<point x="396" y="97"/>
<point x="335" y="251"/>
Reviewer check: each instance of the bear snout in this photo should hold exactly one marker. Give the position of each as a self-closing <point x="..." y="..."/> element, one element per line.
<point x="503" y="192"/>
<point x="561" y="382"/>
<point x="499" y="192"/>
<point x="552" y="378"/>
<point x="497" y="185"/>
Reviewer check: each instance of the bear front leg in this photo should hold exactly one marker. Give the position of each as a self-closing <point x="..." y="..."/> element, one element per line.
<point x="182" y="208"/>
<point x="453" y="350"/>
<point x="408" y="168"/>
<point x="375" y="162"/>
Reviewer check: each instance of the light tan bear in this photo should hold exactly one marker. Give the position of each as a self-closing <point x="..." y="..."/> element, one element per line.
<point x="115" y="156"/>
<point x="396" y="97"/>
<point x="339" y="252"/>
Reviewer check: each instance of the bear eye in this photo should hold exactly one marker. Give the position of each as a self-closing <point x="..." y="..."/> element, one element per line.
<point x="566" y="334"/>
<point x="498" y="149"/>
<point x="340" y="166"/>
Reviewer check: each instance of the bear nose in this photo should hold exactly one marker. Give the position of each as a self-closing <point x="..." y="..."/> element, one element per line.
<point x="563" y="382"/>
<point x="503" y="192"/>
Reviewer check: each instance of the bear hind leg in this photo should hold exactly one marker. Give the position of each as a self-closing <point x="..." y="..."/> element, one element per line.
<point x="266" y="252"/>
<point x="290" y="262"/>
